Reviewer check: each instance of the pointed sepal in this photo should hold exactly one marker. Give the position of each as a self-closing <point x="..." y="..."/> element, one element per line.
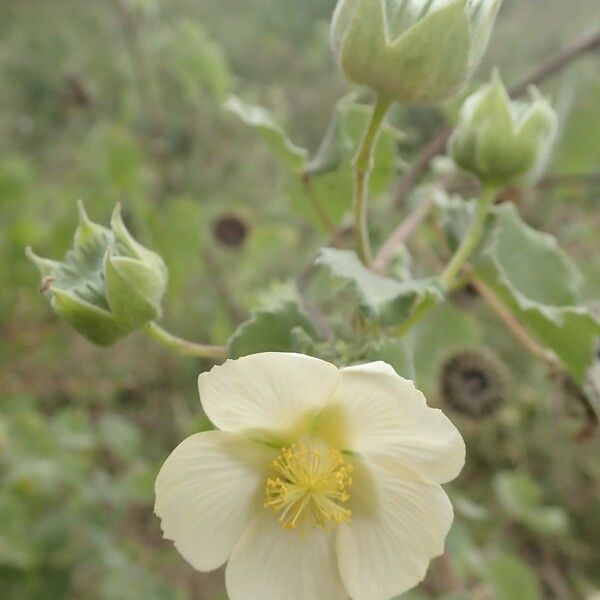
<point x="108" y="284"/>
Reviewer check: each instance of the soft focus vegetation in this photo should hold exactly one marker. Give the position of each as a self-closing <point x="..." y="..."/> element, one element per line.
<point x="127" y="101"/>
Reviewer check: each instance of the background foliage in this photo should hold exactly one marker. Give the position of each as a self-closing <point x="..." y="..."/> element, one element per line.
<point x="123" y="100"/>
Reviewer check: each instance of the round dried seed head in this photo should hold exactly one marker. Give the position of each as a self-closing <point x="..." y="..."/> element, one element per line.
<point x="473" y="382"/>
<point x="230" y="230"/>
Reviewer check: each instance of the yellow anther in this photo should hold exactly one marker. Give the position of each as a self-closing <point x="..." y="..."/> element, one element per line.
<point x="309" y="487"/>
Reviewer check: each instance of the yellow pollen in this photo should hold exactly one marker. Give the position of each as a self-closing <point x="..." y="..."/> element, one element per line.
<point x="309" y="488"/>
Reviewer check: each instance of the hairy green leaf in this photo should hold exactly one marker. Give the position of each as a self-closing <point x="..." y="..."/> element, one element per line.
<point x="382" y="298"/>
<point x="537" y="281"/>
<point x="272" y="329"/>
<point x="292" y="156"/>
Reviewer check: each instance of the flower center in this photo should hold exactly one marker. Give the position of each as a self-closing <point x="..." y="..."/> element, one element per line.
<point x="309" y="488"/>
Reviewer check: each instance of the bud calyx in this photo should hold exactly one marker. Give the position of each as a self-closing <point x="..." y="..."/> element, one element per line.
<point x="108" y="285"/>
<point x="412" y="51"/>
<point x="502" y="141"/>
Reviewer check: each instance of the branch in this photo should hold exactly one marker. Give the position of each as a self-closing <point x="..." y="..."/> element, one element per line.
<point x="402" y="233"/>
<point x="545" y="71"/>
<point x="557" y="62"/>
<point x="515" y="326"/>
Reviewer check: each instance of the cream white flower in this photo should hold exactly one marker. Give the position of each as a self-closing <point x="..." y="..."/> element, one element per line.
<point x="320" y="484"/>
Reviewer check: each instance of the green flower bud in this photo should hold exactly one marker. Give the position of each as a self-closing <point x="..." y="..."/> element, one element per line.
<point x="412" y="51"/>
<point x="108" y="285"/>
<point x="501" y="141"/>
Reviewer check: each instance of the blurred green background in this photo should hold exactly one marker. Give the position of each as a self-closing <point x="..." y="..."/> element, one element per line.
<point x="121" y="100"/>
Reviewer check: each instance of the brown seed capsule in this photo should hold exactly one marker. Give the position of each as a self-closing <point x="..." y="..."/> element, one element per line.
<point x="230" y="230"/>
<point x="473" y="382"/>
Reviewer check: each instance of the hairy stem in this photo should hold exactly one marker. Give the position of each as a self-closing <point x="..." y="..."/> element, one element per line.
<point x="363" y="163"/>
<point x="401" y="234"/>
<point x="181" y="346"/>
<point x="472" y="239"/>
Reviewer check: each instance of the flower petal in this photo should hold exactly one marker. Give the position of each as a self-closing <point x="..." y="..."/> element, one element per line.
<point x="272" y="563"/>
<point x="271" y="391"/>
<point x="207" y="491"/>
<point x="387" y="417"/>
<point x="398" y="525"/>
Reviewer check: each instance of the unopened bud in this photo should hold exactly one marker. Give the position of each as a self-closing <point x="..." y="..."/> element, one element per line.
<point x="108" y="284"/>
<point x="503" y="141"/>
<point x="412" y="51"/>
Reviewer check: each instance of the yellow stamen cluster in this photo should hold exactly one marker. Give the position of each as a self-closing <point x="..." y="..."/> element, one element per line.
<point x="309" y="487"/>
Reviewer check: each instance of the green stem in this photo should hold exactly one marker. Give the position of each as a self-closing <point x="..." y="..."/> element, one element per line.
<point x="181" y="346"/>
<point x="363" y="163"/>
<point x="461" y="256"/>
<point x="472" y="239"/>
